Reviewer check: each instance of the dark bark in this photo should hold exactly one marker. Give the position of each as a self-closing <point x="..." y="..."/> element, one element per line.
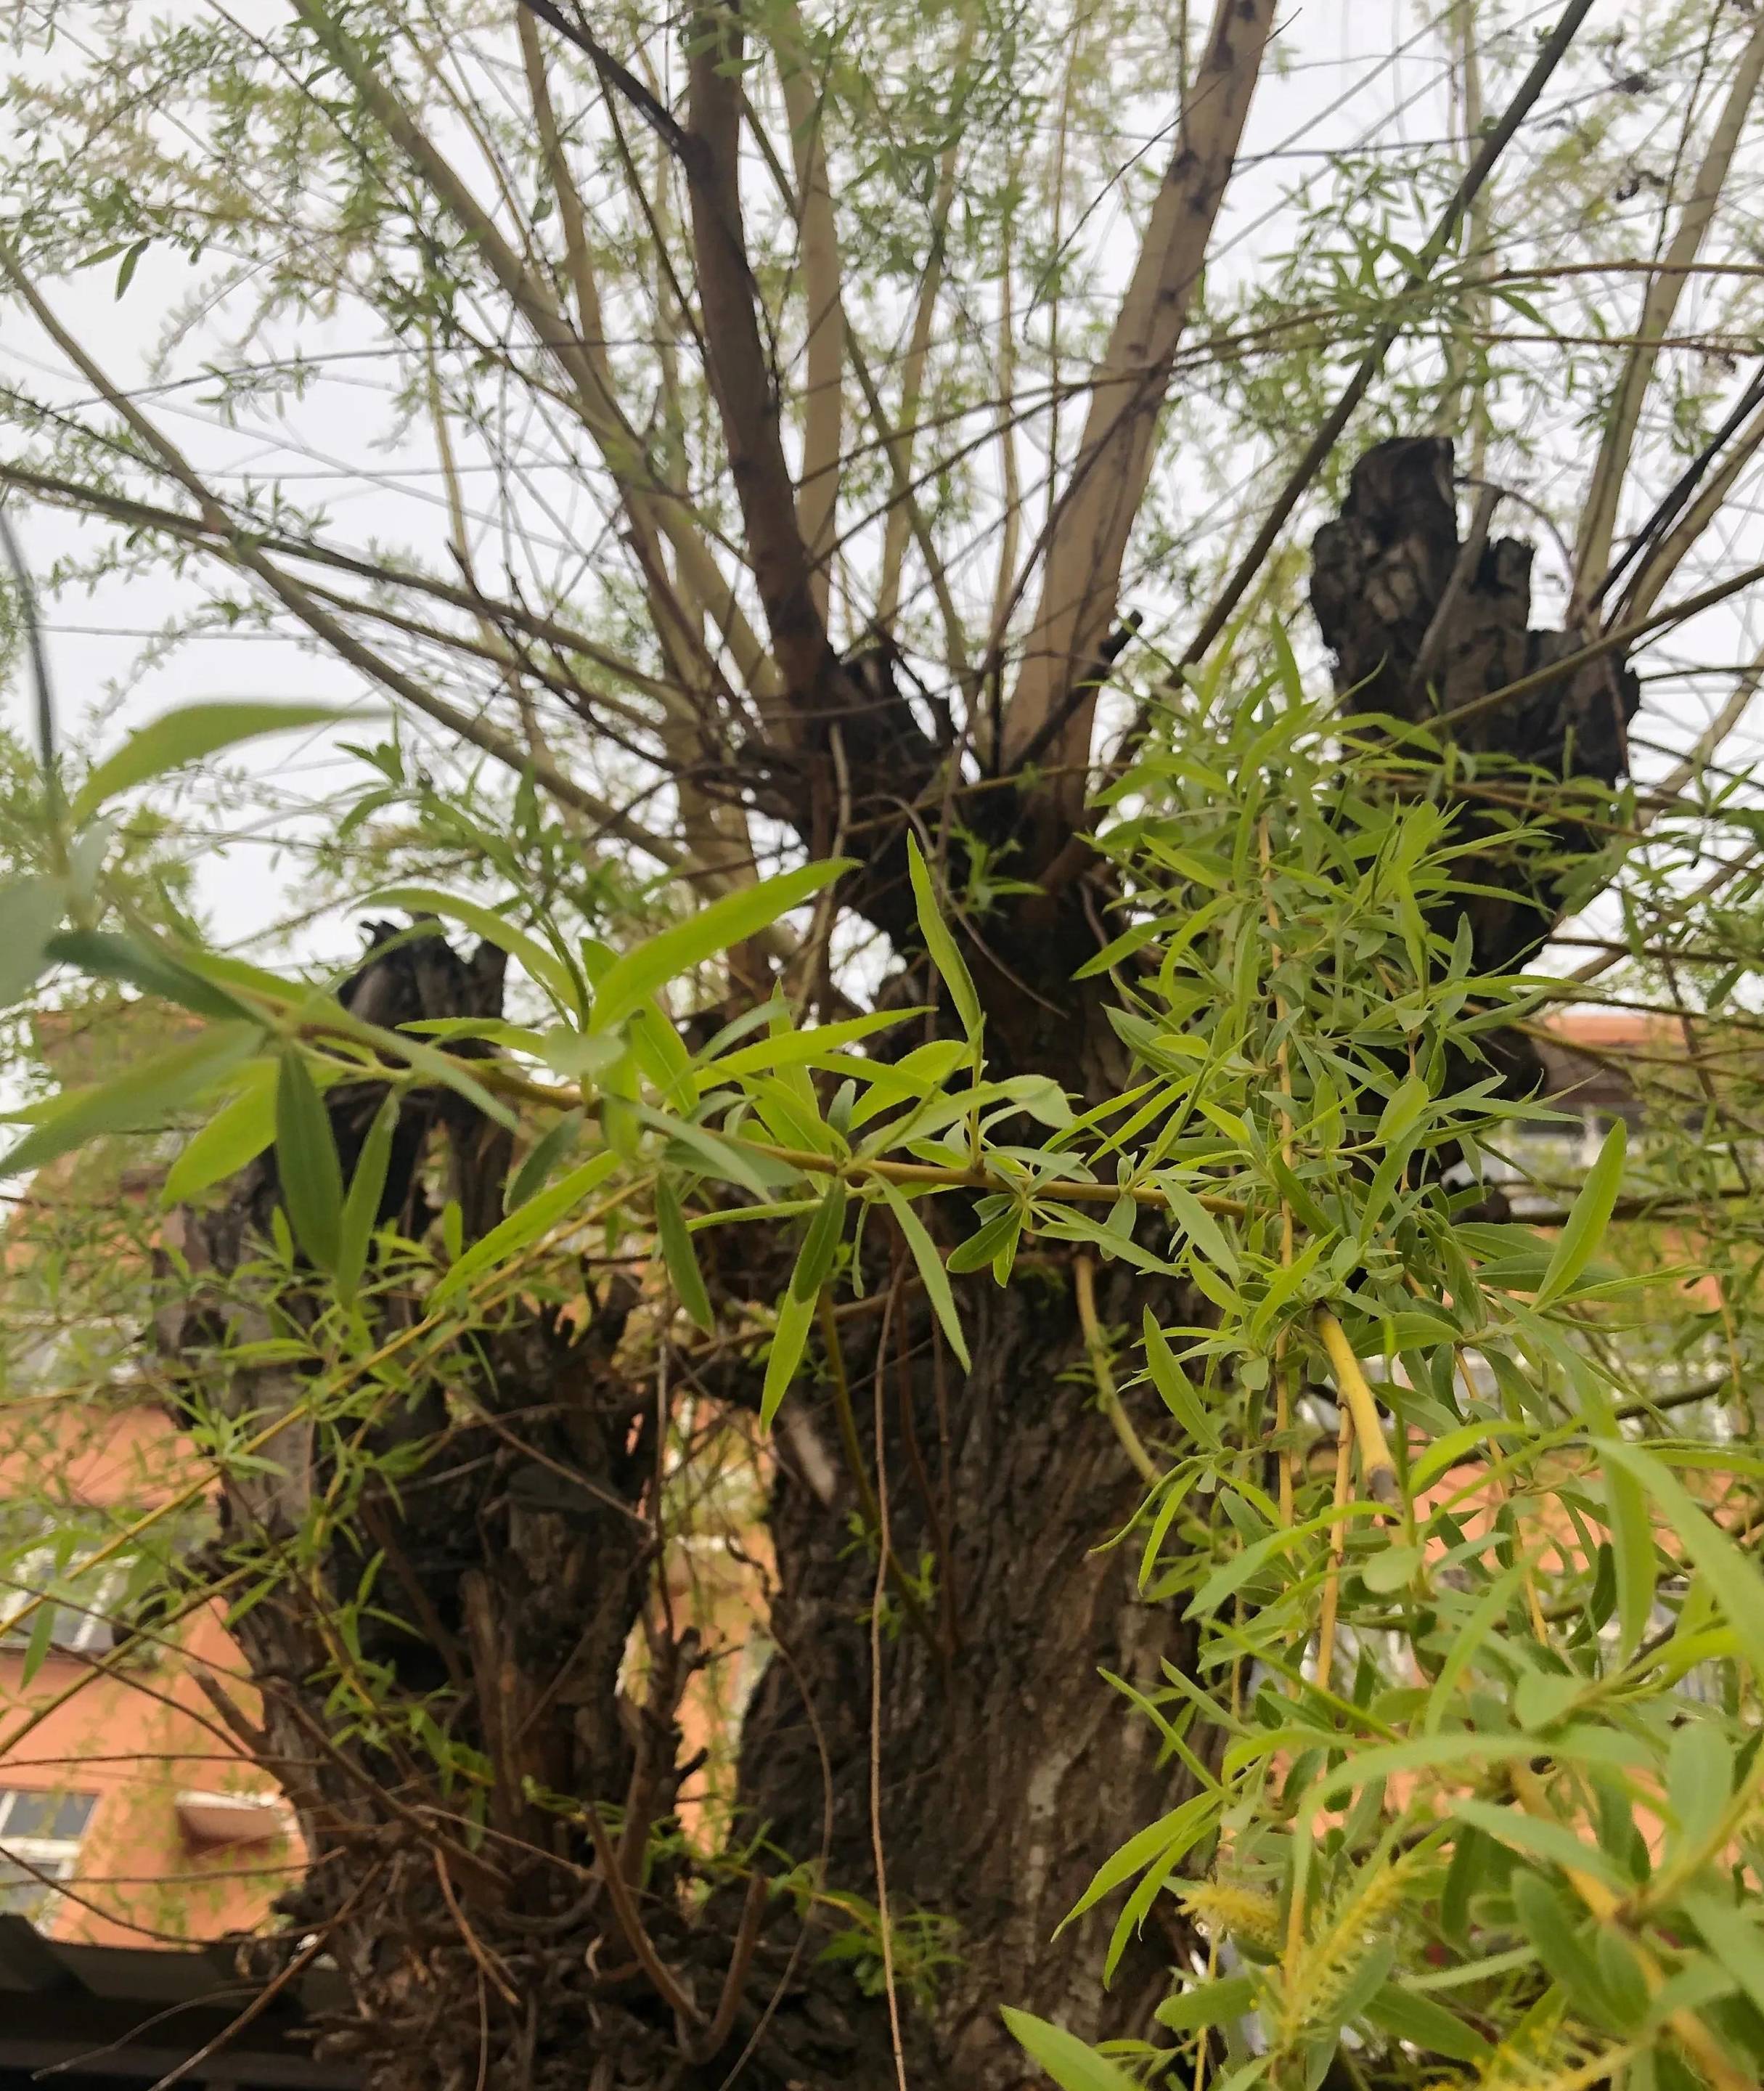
<point x="1007" y="1770"/>
<point x="517" y="1559"/>
<point x="1380" y="576"/>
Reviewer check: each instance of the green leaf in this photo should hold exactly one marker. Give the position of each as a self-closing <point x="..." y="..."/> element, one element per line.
<point x="143" y="1096"/>
<point x="820" y="1244"/>
<point x="1699" y="1778"/>
<point x="1553" y="1926"/>
<point x="731" y="1160"/>
<point x="1073" y="2066"/>
<point x="1584" y="1228"/>
<point x="542" y="966"/>
<point x="788" y="1342"/>
<point x="1732" y="1579"/>
<point x="125" y="275"/>
<point x="944" y="956"/>
<point x="523" y="1225"/>
<point x="1491" y="1609"/>
<point x="1539" y="1840"/>
<point x="1425" y="2024"/>
<point x="681" y="1258"/>
<point x="986" y="1241"/>
<point x="1732" y="1936"/>
<point x="41" y="1640"/>
<point x="633" y="978"/>
<point x="1392" y="1569"/>
<point x="1175" y="1832"/>
<point x="189" y="734"/>
<point x="306" y="1160"/>
<point x="542" y="1157"/>
<point x="106" y="956"/>
<point x="1173" y="1387"/>
<point x="1237" y="1568"/>
<point x="934" y="1278"/>
<point x="1208" y="2004"/>
<point x="237" y="1134"/>
<point x="361" y="1208"/>
<point x="807" y="1048"/>
<point x="1201" y="1228"/>
<point x="31" y="911"/>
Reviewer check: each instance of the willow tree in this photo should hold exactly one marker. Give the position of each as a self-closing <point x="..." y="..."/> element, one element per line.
<point x="846" y="480"/>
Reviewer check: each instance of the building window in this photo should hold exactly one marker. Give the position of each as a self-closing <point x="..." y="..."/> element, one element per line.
<point x="84" y="1622"/>
<point x="40" y="1834"/>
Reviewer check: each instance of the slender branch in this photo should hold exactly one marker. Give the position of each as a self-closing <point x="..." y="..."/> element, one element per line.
<point x="219" y="536"/>
<point x="1702" y="2046"/>
<point x="817" y="489"/>
<point x="1554" y="50"/>
<point x="741" y="382"/>
<point x="651" y="510"/>
<point x="1598" y="519"/>
<point x="1662" y="555"/>
<point x="665" y="1983"/>
<point x="722" y="2023"/>
<point x="1338" y="1534"/>
<point x="1107" y="1394"/>
<point x="894" y="537"/>
<point x="902" y="494"/>
<point x="343" y="643"/>
<point x="1378" y="1469"/>
<point x="1088" y="531"/>
<point x="869" y="1506"/>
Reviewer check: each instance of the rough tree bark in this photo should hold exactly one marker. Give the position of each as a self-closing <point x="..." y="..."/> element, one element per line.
<point x="548" y="1950"/>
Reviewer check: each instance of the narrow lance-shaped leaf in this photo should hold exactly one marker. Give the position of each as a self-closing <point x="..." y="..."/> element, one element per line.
<point x="186" y="736"/>
<point x="1584" y="1228"/>
<point x="1425" y="2024"/>
<point x="944" y="956"/>
<point x="523" y="1225"/>
<point x="30" y="911"/>
<point x="138" y="963"/>
<point x="633" y="978"/>
<point x="237" y="1134"/>
<point x="680" y="1256"/>
<point x="934" y="1278"/>
<point x="1201" y="1228"/>
<point x="361" y="1208"/>
<point x="1737" y="1586"/>
<point x="543" y="967"/>
<point x="1072" y="2064"/>
<point x="1173" y="1389"/>
<point x="542" y="1157"/>
<point x="306" y="1160"/>
<point x="143" y="1095"/>
<point x="788" y="1341"/>
<point x="1634" y="1554"/>
<point x="820" y="1244"/>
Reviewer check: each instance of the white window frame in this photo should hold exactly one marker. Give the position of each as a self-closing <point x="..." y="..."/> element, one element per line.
<point x="57" y="1858"/>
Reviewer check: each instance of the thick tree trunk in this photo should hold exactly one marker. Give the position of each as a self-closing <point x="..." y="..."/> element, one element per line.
<point x="997" y="1770"/>
<point x="477" y="1791"/>
<point x="1005" y="1770"/>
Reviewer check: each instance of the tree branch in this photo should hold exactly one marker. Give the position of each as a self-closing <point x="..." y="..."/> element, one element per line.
<point x="817" y="498"/>
<point x="741" y="382"/>
<point x="1554" y="50"/>
<point x="342" y="642"/>
<point x="918" y="348"/>
<point x="652" y="510"/>
<point x="1094" y="514"/>
<point x="1598" y="519"/>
